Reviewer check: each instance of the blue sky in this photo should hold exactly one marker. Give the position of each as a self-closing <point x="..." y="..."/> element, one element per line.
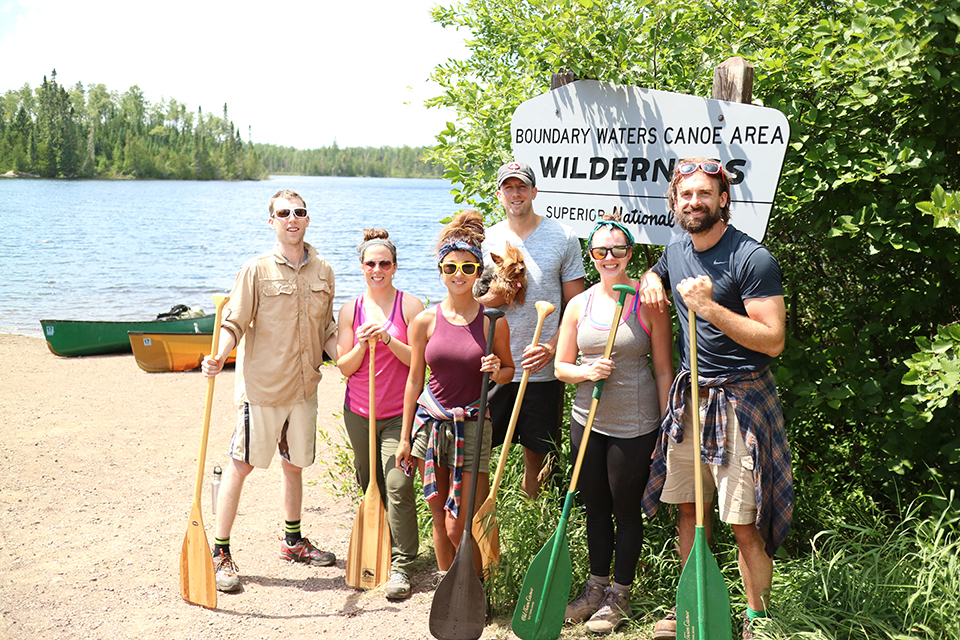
<point x="299" y="73"/>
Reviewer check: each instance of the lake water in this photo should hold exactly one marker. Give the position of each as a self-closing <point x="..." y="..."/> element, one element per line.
<point x="128" y="250"/>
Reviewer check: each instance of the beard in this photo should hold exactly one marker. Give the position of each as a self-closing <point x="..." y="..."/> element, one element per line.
<point x="701" y="225"/>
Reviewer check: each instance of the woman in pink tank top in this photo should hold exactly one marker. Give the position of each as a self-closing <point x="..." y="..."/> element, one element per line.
<point x="440" y="421"/>
<point x="382" y="315"/>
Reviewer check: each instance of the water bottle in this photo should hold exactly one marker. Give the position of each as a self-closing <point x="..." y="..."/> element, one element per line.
<point x="217" y="472"/>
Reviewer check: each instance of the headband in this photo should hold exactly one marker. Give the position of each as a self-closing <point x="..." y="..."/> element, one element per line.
<point x="380" y="241"/>
<point x="615" y="225"/>
<point x="459" y="245"/>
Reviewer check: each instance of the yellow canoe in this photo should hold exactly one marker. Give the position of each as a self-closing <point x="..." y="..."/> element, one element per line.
<point x="157" y="351"/>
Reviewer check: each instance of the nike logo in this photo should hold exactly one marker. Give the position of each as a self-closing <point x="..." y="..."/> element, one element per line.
<point x="718" y="262"/>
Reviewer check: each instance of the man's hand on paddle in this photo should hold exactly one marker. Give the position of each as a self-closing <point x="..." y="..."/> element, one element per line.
<point x="211" y="366"/>
<point x="696" y="292"/>
<point x="537" y="356"/>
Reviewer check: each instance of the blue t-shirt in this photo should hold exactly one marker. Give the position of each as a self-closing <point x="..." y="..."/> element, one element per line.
<point x="740" y="268"/>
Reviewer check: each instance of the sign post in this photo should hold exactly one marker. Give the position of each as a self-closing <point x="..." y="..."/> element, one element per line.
<point x="598" y="148"/>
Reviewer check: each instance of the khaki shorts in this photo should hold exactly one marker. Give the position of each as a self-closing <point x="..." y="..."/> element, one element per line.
<point x="737" y="501"/>
<point x="290" y="429"/>
<point x="447" y="445"/>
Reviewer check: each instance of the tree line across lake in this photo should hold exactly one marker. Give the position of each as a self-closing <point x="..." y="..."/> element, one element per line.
<point x="54" y="131"/>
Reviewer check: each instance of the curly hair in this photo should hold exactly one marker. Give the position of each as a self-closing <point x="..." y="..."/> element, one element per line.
<point x="466" y="227"/>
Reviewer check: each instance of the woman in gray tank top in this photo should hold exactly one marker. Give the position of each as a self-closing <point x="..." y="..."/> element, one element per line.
<point x="616" y="463"/>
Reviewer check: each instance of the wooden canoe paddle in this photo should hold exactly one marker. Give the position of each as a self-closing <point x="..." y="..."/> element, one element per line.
<point x="198" y="581"/>
<point x="543" y="597"/>
<point x="459" y="608"/>
<point x="703" y="602"/>
<point x="368" y="558"/>
<point x="485" y="528"/>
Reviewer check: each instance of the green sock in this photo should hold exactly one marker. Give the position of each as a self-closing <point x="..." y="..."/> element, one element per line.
<point x="751" y="614"/>
<point x="292" y="532"/>
<point x="221" y="545"/>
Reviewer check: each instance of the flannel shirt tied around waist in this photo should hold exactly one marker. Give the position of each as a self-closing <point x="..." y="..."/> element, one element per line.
<point x="757" y="406"/>
<point x="431" y="414"/>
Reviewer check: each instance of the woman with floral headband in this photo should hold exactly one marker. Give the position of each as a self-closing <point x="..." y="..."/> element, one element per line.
<point x="440" y="421"/>
<point x="624" y="433"/>
<point x="382" y="314"/>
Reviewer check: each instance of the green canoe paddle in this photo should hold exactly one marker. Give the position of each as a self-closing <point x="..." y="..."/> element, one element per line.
<point x="703" y="603"/>
<point x="546" y="587"/>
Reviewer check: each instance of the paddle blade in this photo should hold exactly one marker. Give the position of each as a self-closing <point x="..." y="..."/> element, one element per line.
<point x="198" y="582"/>
<point x="703" y="603"/>
<point x="459" y="608"/>
<point x="487" y="534"/>
<point x="545" y="590"/>
<point x="368" y="558"/>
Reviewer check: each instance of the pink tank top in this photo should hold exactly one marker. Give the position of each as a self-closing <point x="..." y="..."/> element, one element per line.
<point x="390" y="373"/>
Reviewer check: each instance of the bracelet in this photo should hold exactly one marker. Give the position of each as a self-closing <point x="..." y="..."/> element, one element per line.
<point x="387" y="343"/>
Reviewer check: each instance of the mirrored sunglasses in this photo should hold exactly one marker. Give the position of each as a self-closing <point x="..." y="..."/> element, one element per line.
<point x="709" y="167"/>
<point x="618" y="251"/>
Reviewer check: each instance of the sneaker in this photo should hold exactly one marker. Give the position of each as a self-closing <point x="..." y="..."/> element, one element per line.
<point x="305" y="552"/>
<point x="666" y="629"/>
<point x="438" y="578"/>
<point x="747" y="628"/>
<point x="228" y="578"/>
<point x="587" y="604"/>
<point x="613" y="611"/>
<point x="398" y="587"/>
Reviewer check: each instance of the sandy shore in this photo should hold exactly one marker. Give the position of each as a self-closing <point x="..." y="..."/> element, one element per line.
<point x="98" y="466"/>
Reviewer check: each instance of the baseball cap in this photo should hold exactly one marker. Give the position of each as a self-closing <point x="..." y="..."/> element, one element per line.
<point x="516" y="170"/>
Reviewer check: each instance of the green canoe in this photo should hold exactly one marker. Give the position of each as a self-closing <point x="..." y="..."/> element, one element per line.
<point x="91" y="337"/>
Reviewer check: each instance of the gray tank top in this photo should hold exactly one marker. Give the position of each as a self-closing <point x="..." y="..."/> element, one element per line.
<point x="628" y="407"/>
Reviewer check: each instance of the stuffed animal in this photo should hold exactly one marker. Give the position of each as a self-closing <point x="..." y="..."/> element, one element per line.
<point x="506" y="283"/>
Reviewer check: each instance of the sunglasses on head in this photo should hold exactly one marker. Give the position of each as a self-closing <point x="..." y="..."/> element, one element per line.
<point x="709" y="167"/>
<point x="618" y="251"/>
<point x="466" y="268"/>
<point x="300" y="212"/>
<point x="372" y="264"/>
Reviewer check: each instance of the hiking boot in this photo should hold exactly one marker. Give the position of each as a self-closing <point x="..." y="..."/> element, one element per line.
<point x="305" y="552"/>
<point x="666" y="629"/>
<point x="747" y="628"/>
<point x="587" y="604"/>
<point x="228" y="578"/>
<point x="613" y="611"/>
<point x="398" y="587"/>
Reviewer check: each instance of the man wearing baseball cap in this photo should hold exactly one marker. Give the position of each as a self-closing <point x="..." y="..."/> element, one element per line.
<point x="554" y="268"/>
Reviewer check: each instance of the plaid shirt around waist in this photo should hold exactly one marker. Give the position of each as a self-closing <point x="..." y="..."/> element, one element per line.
<point x="757" y="407"/>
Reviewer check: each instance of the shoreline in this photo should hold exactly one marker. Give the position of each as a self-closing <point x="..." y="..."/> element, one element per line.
<point x="100" y="461"/>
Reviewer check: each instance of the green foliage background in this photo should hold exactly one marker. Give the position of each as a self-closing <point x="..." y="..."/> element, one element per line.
<point x="871" y="91"/>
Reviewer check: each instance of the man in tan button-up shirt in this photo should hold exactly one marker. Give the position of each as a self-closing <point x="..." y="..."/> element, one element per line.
<point x="281" y="314"/>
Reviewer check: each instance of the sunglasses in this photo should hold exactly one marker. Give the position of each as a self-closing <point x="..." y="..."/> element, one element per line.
<point x="466" y="268"/>
<point x="709" y="167"/>
<point x="300" y="212"/>
<point x="618" y="251"/>
<point x="372" y="264"/>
